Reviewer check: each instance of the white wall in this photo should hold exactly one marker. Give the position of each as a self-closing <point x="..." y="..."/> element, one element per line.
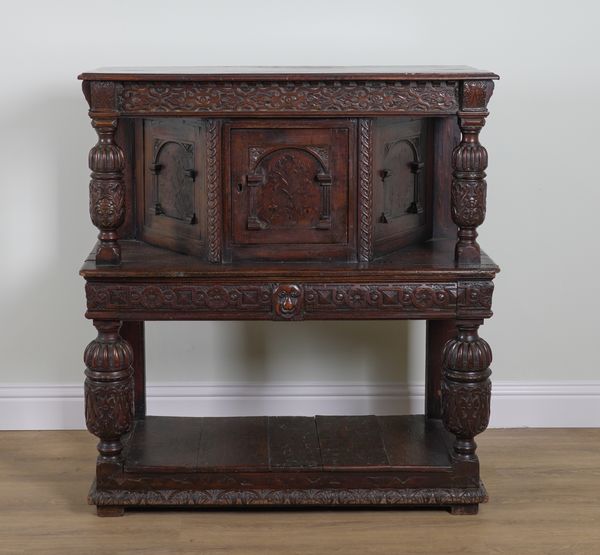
<point x="543" y="194"/>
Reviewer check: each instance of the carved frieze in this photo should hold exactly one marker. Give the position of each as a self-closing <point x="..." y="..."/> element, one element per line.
<point x="283" y="301"/>
<point x="178" y="297"/>
<point x="402" y="298"/>
<point x="291" y="97"/>
<point x="316" y="497"/>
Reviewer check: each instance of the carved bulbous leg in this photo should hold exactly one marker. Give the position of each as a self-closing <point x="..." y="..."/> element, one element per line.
<point x="466" y="387"/>
<point x="108" y="388"/>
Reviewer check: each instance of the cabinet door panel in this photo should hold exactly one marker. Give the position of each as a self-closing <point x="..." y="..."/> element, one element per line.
<point x="172" y="210"/>
<point x="290" y="193"/>
<point x="401" y="183"/>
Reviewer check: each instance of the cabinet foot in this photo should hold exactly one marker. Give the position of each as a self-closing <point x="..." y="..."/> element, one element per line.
<point x="110" y="510"/>
<point x="472" y="509"/>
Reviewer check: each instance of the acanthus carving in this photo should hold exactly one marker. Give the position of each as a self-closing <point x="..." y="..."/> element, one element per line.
<point x="108" y="387"/>
<point x="365" y="190"/>
<point x="213" y="192"/>
<point x="291" y="97"/>
<point x="468" y="203"/>
<point x="108" y="407"/>
<point x="107" y="209"/>
<point x="314" y="497"/>
<point x="466" y="387"/>
<point x="466" y="412"/>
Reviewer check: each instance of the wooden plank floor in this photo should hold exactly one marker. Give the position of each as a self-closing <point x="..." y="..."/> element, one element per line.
<point x="544" y="487"/>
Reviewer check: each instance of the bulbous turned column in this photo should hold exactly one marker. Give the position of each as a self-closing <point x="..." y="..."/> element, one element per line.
<point x="108" y="388"/>
<point x="466" y="387"/>
<point x="469" y="162"/>
<point x="107" y="197"/>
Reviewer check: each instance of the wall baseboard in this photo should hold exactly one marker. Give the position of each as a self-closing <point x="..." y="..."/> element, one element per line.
<point x="514" y="404"/>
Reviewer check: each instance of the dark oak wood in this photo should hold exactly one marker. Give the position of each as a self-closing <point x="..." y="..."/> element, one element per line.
<point x="350" y="444"/>
<point x="163" y="444"/>
<point x="134" y="333"/>
<point x="293" y="443"/>
<point x="350" y="441"/>
<point x="439" y="332"/>
<point x="288" y="194"/>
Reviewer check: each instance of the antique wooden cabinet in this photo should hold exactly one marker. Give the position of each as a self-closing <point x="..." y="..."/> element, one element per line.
<point x="288" y="194"/>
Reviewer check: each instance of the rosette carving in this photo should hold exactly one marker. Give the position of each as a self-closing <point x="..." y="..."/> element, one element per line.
<point x="108" y="387"/>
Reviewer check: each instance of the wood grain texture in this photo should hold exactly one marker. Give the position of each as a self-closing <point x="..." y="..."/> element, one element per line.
<point x="350" y="442"/>
<point x="542" y="503"/>
<point x="293" y="442"/>
<point x="278" y="443"/>
<point x="163" y="443"/>
<point x="238" y="443"/>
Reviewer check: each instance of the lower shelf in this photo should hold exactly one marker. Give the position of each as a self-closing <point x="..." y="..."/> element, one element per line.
<point x="297" y="461"/>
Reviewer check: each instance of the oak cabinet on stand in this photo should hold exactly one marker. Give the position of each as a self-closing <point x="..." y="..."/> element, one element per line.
<point x="288" y="194"/>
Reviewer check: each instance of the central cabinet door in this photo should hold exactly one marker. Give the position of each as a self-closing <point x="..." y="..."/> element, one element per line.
<point x="291" y="191"/>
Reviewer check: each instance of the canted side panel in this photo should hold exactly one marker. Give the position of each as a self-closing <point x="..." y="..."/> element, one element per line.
<point x="290" y="190"/>
<point x="401" y="183"/>
<point x="172" y="184"/>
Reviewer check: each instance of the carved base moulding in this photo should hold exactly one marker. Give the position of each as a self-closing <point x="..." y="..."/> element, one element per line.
<point x="441" y="497"/>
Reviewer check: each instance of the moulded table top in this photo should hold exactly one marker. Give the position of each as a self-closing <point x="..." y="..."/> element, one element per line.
<point x="283" y="73"/>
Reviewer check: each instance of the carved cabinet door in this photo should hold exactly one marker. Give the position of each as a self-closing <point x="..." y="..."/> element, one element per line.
<point x="171" y="210"/>
<point x="289" y="190"/>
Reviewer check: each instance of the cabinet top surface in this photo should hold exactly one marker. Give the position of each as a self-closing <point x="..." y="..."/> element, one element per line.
<point x="282" y="73"/>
